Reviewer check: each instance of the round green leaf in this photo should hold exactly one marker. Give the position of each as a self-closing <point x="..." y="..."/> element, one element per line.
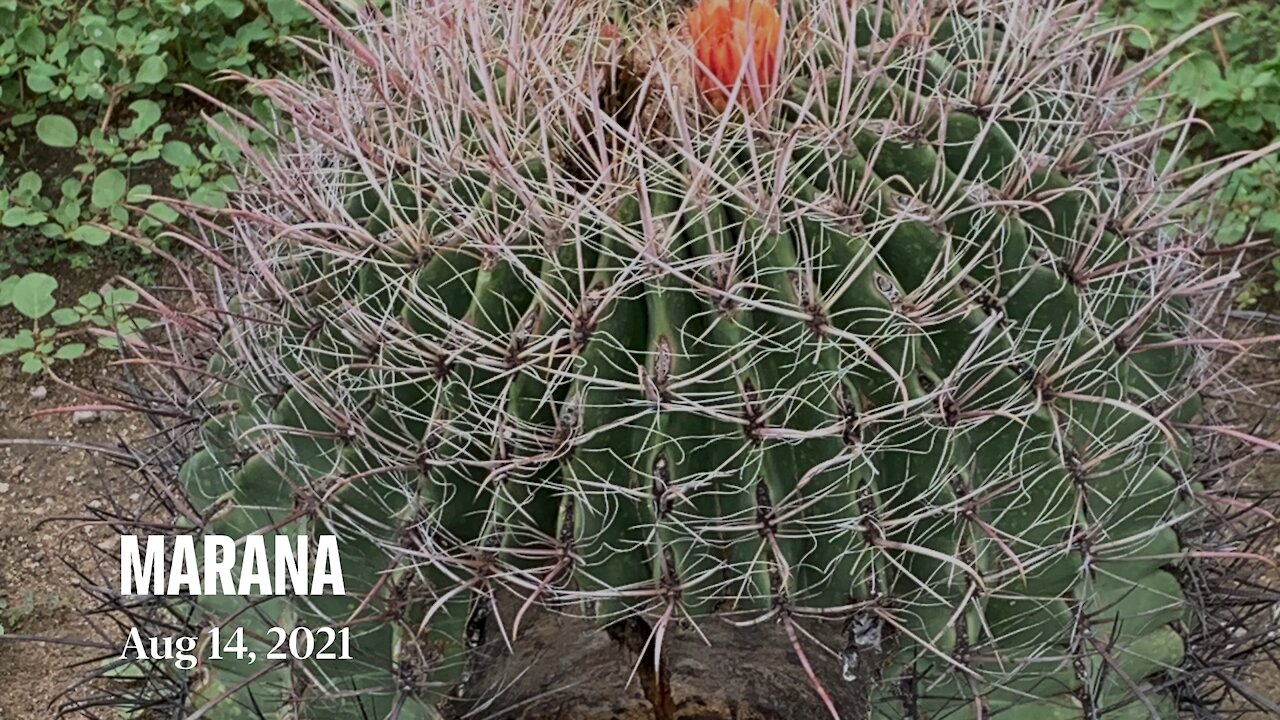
<point x="33" y="295"/>
<point x="209" y="196"/>
<point x="138" y="193"/>
<point x="70" y="351"/>
<point x="147" y="113"/>
<point x="90" y="235"/>
<point x="57" y="131"/>
<point x="71" y="188"/>
<point x="178" y="154"/>
<point x="108" y="188"/>
<point x="120" y="296"/>
<point x="14" y="217"/>
<point x="39" y="82"/>
<point x="29" y="183"/>
<point x="65" y="316"/>
<point x="152" y="71"/>
<point x="93" y="60"/>
<point x="287" y="11"/>
<point x="232" y="9"/>
<point x="163" y="212"/>
<point x="31" y="39"/>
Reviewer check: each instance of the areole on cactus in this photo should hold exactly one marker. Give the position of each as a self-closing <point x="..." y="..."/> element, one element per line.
<point x="866" y="323"/>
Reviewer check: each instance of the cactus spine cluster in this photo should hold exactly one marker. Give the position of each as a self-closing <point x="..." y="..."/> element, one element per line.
<point x="884" y="340"/>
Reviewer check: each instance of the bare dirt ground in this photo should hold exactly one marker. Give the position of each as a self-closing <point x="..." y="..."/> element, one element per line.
<point x="43" y="488"/>
<point x="1259" y="412"/>
<point x="45" y="492"/>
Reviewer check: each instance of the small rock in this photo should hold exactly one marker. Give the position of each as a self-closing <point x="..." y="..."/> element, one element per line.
<point x="84" y="417"/>
<point x="4" y="487"/>
<point x="39" y="392"/>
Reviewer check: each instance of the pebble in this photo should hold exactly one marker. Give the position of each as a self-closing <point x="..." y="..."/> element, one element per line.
<point x="39" y="392"/>
<point x="84" y="417"/>
<point x="4" y="487"/>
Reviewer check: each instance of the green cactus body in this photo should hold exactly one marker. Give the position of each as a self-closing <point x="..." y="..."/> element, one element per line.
<point x="883" y="353"/>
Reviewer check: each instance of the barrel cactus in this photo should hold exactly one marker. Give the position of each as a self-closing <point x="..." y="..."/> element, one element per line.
<point x="868" y="324"/>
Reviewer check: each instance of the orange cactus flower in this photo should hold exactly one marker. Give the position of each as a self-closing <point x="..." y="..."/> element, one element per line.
<point x="728" y="36"/>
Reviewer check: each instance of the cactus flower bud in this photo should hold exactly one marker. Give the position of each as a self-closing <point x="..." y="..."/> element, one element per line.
<point x="731" y="36"/>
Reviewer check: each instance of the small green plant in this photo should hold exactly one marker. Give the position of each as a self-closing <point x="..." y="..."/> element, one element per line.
<point x="1230" y="76"/>
<point x="1260" y="288"/>
<point x="58" y="333"/>
<point x="89" y="99"/>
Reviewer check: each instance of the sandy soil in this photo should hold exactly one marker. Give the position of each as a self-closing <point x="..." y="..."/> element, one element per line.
<point x="43" y="489"/>
<point x="1259" y="412"/>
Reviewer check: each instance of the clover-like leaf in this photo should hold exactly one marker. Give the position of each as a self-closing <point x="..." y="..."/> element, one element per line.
<point x="33" y="295"/>
<point x="32" y="363"/>
<point x="108" y="188"/>
<point x="57" y="131"/>
<point x="120" y="298"/>
<point x="31" y="39"/>
<point x="147" y="113"/>
<point x="15" y="217"/>
<point x="90" y="235"/>
<point x="152" y="71"/>
<point x="90" y="301"/>
<point x="65" y="316"/>
<point x="70" y="351"/>
<point x="178" y="154"/>
<point x="40" y="79"/>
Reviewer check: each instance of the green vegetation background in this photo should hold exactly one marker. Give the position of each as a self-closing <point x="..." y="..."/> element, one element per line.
<point x="95" y="124"/>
